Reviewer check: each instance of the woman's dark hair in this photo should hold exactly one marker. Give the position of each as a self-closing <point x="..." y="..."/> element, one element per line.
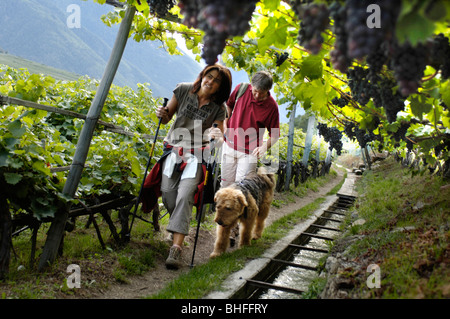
<point x="224" y="90"/>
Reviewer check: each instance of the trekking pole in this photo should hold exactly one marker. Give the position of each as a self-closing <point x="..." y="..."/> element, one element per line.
<point x="146" y="170"/>
<point x="200" y="207"/>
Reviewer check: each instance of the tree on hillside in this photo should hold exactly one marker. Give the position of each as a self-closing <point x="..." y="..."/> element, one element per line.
<point x="301" y="121"/>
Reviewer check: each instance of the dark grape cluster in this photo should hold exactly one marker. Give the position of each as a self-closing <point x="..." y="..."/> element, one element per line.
<point x="440" y="55"/>
<point x="409" y="63"/>
<point x="315" y="20"/>
<point x="189" y="9"/>
<point x="379" y="46"/>
<point x="360" y="85"/>
<point x="349" y="129"/>
<point x="392" y="102"/>
<point x="332" y="135"/>
<point x="376" y="60"/>
<point x="219" y="19"/>
<point x="400" y="134"/>
<point x="160" y="7"/>
<point x="365" y="85"/>
<point x="353" y="132"/>
<point x="281" y="58"/>
<point x="339" y="101"/>
<point x="338" y="55"/>
<point x="364" y="137"/>
<point x="362" y="39"/>
<point x="213" y="44"/>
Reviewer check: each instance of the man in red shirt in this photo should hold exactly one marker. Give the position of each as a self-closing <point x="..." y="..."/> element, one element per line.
<point x="251" y="113"/>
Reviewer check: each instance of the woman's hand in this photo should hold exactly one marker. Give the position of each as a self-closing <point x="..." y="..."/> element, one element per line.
<point x="166" y="113"/>
<point x="163" y="113"/>
<point x="215" y="133"/>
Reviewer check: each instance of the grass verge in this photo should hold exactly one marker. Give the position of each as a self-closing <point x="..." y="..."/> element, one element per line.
<point x="406" y="233"/>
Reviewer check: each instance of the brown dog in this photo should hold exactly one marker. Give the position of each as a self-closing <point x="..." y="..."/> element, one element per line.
<point x="247" y="202"/>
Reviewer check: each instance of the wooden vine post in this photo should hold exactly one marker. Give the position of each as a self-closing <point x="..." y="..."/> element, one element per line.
<point x="290" y="149"/>
<point x="316" y="172"/>
<point x="328" y="157"/>
<point x="308" y="140"/>
<point x="319" y="142"/>
<point x="56" y="231"/>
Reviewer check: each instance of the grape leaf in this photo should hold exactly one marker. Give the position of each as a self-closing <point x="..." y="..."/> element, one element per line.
<point x="12" y="178"/>
<point x="419" y="106"/>
<point x="436" y="10"/>
<point x="271" y="4"/>
<point x="445" y="91"/>
<point x="311" y="67"/>
<point x="414" y="27"/>
<point x="4" y="158"/>
<point x="16" y="129"/>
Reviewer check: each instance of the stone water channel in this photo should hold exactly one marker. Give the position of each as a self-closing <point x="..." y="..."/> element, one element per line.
<point x="286" y="270"/>
<point x="290" y="281"/>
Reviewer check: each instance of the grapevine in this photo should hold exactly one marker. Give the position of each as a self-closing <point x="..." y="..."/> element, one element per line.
<point x="314" y="20"/>
<point x="160" y="7"/>
<point x="340" y="102"/>
<point x="440" y="54"/>
<point x="384" y="72"/>
<point x="400" y="134"/>
<point x="281" y="58"/>
<point x="392" y="102"/>
<point x="409" y="65"/>
<point x="332" y="135"/>
<point x="363" y="137"/>
<point x="363" y="40"/>
<point x="338" y="55"/>
<point x="443" y="146"/>
<point x="219" y="20"/>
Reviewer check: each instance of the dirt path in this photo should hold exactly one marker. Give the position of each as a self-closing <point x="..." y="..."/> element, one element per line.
<point x="156" y="279"/>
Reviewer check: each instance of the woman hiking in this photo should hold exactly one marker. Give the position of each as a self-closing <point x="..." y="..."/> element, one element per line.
<point x="198" y="106"/>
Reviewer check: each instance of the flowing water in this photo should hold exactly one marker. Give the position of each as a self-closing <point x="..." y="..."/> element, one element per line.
<point x="299" y="278"/>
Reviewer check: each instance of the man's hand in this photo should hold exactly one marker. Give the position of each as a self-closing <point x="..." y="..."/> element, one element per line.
<point x="259" y="151"/>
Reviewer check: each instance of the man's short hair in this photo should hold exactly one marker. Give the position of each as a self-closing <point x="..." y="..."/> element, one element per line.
<point x="262" y="80"/>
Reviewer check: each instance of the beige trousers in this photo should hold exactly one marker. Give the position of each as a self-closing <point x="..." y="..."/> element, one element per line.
<point x="235" y="165"/>
<point x="178" y="198"/>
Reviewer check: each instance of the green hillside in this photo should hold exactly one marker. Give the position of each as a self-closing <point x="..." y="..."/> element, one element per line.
<point x="46" y="38"/>
<point x="34" y="67"/>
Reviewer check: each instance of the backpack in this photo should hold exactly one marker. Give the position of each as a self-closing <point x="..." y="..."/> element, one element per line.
<point x="242" y="88"/>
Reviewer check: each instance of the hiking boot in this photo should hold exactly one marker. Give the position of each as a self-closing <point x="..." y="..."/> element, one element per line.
<point x="174" y="259"/>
